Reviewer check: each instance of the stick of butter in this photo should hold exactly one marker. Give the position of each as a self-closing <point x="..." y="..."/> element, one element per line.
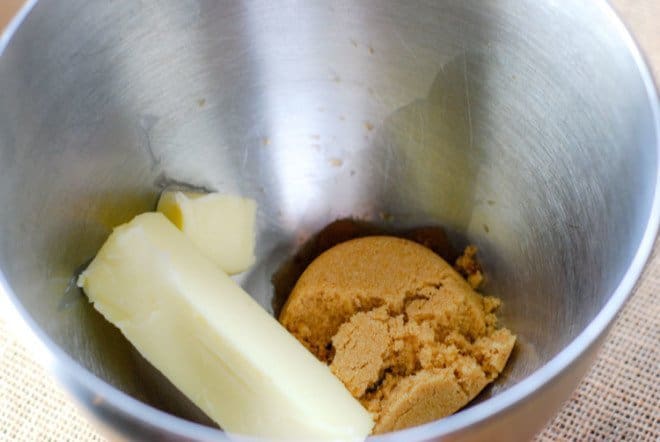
<point x="213" y="341"/>
<point x="222" y="226"/>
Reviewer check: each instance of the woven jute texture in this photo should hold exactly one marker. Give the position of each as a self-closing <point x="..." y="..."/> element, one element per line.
<point x="620" y="397"/>
<point x="32" y="406"/>
<point x="618" y="400"/>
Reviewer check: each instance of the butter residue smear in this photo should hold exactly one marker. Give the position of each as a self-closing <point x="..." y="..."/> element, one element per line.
<point x="215" y="343"/>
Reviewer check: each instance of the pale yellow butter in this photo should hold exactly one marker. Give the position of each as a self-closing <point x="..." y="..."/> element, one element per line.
<point x="213" y="341"/>
<point x="222" y="226"/>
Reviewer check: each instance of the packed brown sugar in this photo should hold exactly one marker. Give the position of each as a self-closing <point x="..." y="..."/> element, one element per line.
<point x="406" y="333"/>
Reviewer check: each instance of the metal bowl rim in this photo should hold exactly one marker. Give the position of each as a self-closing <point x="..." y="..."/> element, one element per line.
<point x="74" y="376"/>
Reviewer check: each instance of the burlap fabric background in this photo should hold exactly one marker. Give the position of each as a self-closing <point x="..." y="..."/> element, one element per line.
<point x="618" y="400"/>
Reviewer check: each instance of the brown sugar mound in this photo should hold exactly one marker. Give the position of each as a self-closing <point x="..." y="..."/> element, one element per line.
<point x="399" y="327"/>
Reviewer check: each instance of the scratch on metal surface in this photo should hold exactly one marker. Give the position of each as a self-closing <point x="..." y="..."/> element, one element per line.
<point x="422" y="128"/>
<point x="244" y="161"/>
<point x="389" y="156"/>
<point x="467" y="99"/>
<point x="147" y="122"/>
<point x="405" y="45"/>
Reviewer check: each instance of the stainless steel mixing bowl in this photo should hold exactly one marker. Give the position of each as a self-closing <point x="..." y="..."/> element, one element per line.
<point x="529" y="128"/>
